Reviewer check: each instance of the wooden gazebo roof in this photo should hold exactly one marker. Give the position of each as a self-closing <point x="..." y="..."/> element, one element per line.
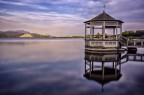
<point x="103" y="17"/>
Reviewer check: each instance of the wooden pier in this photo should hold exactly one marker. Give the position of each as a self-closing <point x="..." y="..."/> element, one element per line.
<point x="135" y="57"/>
<point x="132" y="57"/>
<point x="137" y="43"/>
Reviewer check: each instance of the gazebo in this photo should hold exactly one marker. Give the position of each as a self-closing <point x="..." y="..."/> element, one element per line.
<point x="102" y="22"/>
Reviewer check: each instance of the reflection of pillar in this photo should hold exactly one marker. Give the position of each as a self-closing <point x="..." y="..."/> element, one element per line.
<point x="115" y="69"/>
<point x="85" y="65"/>
<point x="102" y="88"/>
<point x="90" y="68"/>
<point x="120" y="66"/>
<point x="92" y="65"/>
<point x="113" y="65"/>
<point x="127" y="57"/>
<point x="134" y="58"/>
<point x="103" y="70"/>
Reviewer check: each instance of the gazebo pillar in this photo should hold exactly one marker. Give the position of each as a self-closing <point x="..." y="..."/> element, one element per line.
<point x="117" y="31"/>
<point x="103" y="30"/>
<point x="85" y="30"/>
<point x="114" y="33"/>
<point x="91" y="31"/>
<point x="120" y="31"/>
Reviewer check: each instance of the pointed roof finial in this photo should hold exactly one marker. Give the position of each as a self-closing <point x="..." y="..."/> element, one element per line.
<point x="104" y="8"/>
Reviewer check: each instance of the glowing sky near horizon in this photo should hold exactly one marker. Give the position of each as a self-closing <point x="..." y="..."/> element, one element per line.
<point x="66" y="17"/>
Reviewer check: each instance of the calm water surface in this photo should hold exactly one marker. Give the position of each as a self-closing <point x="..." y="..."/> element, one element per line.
<point x="57" y="67"/>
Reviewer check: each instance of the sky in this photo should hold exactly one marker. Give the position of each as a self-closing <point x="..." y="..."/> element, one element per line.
<point x="66" y="17"/>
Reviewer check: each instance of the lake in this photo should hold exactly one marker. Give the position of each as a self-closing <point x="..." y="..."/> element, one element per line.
<point x="57" y="67"/>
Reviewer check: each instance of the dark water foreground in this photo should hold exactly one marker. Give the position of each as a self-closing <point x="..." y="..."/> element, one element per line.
<point x="57" y="67"/>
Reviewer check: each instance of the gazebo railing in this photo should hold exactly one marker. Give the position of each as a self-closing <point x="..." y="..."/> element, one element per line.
<point x="102" y="43"/>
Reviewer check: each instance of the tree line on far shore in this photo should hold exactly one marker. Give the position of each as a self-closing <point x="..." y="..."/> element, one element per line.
<point x="129" y="34"/>
<point x="134" y="34"/>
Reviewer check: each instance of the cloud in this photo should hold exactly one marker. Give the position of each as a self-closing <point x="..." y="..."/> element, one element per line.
<point x="49" y="17"/>
<point x="133" y="26"/>
<point x="114" y="2"/>
<point x="126" y="9"/>
<point x="41" y="21"/>
<point x="24" y="4"/>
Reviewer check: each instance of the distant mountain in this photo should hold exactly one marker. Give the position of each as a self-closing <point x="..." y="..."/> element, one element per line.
<point x="21" y="34"/>
<point x="13" y="33"/>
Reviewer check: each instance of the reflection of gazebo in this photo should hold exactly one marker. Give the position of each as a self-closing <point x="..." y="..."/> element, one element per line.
<point x="104" y="76"/>
<point x="102" y="68"/>
<point x="103" y="22"/>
